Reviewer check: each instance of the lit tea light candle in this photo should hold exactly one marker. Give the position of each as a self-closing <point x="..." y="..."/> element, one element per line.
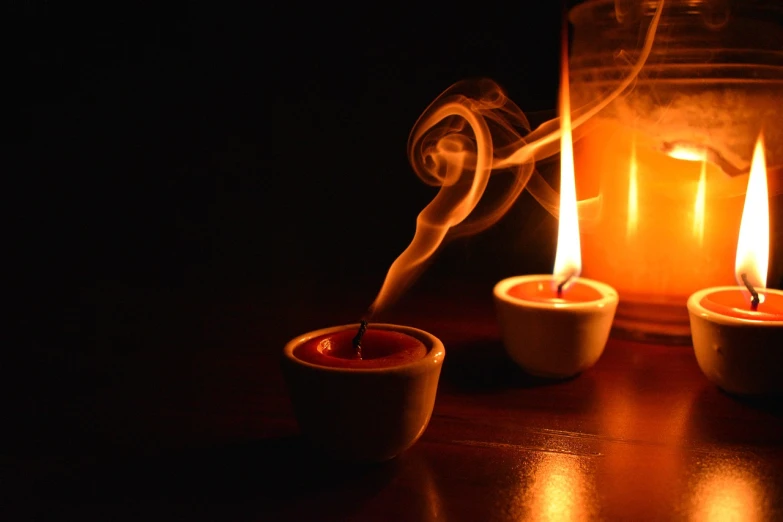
<point x="363" y="392"/>
<point x="557" y="325"/>
<point x="737" y="331"/>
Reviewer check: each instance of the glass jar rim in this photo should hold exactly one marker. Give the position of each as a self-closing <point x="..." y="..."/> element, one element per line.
<point x="588" y="11"/>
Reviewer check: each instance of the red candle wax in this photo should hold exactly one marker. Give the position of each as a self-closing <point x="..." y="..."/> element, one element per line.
<point x="543" y="292"/>
<point x="736" y="303"/>
<point x="380" y="349"/>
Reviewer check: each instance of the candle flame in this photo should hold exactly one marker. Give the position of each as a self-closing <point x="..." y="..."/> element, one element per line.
<point x="699" y="205"/>
<point x="633" y="194"/>
<point x="568" y="260"/>
<point x="753" y="244"/>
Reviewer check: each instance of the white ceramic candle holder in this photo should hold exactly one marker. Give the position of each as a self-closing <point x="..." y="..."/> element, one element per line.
<point x="364" y="414"/>
<point x="554" y="340"/>
<point x="741" y="356"/>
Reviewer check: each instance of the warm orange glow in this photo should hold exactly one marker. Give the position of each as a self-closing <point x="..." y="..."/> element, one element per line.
<point x="687" y="152"/>
<point x="633" y="194"/>
<point x="727" y="492"/>
<point x="699" y="206"/>
<point x="560" y="489"/>
<point x="568" y="261"/>
<point x="662" y="261"/>
<point x="753" y="244"/>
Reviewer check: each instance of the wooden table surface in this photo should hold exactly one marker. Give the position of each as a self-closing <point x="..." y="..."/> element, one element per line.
<point x="178" y="411"/>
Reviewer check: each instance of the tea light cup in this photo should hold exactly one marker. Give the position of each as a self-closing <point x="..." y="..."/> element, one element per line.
<point x="551" y="336"/>
<point x="371" y="413"/>
<point x="739" y="351"/>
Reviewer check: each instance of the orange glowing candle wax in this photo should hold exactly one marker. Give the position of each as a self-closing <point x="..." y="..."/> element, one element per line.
<point x="546" y="291"/>
<point x="660" y="233"/>
<point x="380" y="349"/>
<point x="734" y="303"/>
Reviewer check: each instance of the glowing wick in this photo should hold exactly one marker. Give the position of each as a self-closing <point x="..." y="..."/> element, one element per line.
<point x="564" y="282"/>
<point x="754" y="300"/>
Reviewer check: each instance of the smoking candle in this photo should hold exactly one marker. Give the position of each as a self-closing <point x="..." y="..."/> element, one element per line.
<point x="737" y="331"/>
<point x="557" y="325"/>
<point x="369" y="407"/>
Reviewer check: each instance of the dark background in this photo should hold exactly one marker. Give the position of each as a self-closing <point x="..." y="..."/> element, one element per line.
<point x="216" y="145"/>
<point x="222" y="144"/>
<point x="153" y="139"/>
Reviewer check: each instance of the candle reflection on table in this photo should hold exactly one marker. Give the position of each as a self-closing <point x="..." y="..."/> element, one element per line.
<point x="727" y="490"/>
<point x="562" y="488"/>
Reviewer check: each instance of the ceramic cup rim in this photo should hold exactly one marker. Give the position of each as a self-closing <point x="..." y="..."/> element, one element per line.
<point x="433" y="358"/>
<point x="500" y="291"/>
<point x="696" y="309"/>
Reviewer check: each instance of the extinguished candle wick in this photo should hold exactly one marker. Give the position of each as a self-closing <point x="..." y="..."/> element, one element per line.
<point x="357" y="341"/>
<point x="562" y="285"/>
<point x="754" y="300"/>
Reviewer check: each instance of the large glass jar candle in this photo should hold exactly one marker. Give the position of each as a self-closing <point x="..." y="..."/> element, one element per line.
<point x="667" y="162"/>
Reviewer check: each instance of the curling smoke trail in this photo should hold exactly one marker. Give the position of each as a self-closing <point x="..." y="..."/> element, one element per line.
<point x="470" y="132"/>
